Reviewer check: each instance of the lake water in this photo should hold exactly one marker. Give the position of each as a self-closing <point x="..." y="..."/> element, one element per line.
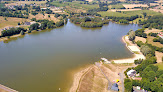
<point x="42" y="61"/>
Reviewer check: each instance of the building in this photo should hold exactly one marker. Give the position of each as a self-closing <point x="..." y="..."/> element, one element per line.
<point x="131" y="73"/>
<point x="115" y="87"/>
<point x="27" y="23"/>
<point x="160" y="34"/>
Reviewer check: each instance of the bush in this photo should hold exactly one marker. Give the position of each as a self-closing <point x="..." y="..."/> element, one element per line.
<point x="146" y="50"/>
<point x="128" y="87"/>
<point x="155" y="40"/>
<point x="138" y="61"/>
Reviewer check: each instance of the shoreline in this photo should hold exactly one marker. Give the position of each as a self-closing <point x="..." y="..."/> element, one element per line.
<point x="78" y="76"/>
<point x="129" y="60"/>
<point x="6" y="89"/>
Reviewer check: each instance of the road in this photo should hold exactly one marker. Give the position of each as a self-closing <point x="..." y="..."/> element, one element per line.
<point x="109" y="83"/>
<point x="122" y="79"/>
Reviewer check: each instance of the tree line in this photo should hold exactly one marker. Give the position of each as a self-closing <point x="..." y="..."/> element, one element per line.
<point x="153" y="22"/>
<point x="89" y="22"/>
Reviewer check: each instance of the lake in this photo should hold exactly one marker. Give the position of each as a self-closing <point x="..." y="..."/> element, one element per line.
<point x="42" y="61"/>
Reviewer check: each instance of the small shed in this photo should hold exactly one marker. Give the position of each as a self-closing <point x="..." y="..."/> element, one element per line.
<point x="131" y="73"/>
<point x="27" y="23"/>
<point x="115" y="87"/>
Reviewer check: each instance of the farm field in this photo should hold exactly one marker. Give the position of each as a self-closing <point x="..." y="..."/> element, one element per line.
<point x="129" y="13"/>
<point x="160" y="66"/>
<point x="150" y="41"/>
<point x="24" y="2"/>
<point x="117" y="6"/>
<point x="76" y="4"/>
<point x="10" y="22"/>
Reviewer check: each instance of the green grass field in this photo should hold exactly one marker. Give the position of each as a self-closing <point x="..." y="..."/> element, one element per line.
<point x="129" y="13"/>
<point x="75" y="4"/>
<point x="1" y="5"/>
<point x="117" y="6"/>
<point x="160" y="66"/>
<point x="110" y="13"/>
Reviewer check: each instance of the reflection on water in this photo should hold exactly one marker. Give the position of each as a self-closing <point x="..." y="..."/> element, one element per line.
<point x="41" y="61"/>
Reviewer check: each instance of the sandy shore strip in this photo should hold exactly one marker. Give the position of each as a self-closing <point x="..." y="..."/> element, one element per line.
<point x="6" y="89"/>
<point x="133" y="48"/>
<point x="77" y="77"/>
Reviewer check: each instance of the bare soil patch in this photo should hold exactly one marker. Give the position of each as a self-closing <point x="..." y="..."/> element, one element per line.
<point x="140" y="39"/>
<point x="114" y="10"/>
<point x="10" y="22"/>
<point x="134" y="5"/>
<point x="147" y="31"/>
<point x="41" y="16"/>
<point x="159" y="56"/>
<point x="93" y="79"/>
<point x="150" y="41"/>
<point x="157" y="10"/>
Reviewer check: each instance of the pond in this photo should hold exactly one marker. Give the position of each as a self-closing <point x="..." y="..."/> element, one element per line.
<point x="42" y="61"/>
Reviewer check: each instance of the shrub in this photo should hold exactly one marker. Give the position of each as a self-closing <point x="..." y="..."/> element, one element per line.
<point x="146" y="50"/>
<point x="138" y="61"/>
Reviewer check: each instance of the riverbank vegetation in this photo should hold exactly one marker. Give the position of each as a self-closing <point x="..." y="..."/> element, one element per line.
<point x="149" y="74"/>
<point x="89" y="22"/>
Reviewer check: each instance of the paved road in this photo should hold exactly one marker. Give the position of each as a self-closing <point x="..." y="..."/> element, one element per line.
<point x="109" y="83"/>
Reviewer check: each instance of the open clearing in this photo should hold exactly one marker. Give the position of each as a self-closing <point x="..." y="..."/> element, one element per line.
<point x="117" y="6"/>
<point x="159" y="56"/>
<point x="160" y="66"/>
<point x="153" y="30"/>
<point x="150" y="41"/>
<point x="134" y="5"/>
<point x="11" y="21"/>
<point x="93" y="80"/>
<point x="114" y="10"/>
<point x="41" y="16"/>
<point x="140" y="39"/>
<point x="128" y="13"/>
<point x="25" y="2"/>
<point x="157" y="10"/>
<point x="76" y="4"/>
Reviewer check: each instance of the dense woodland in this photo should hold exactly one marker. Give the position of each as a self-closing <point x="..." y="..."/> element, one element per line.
<point x="89" y="22"/>
<point x="153" y="22"/>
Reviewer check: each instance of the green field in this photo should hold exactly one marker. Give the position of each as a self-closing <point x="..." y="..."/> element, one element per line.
<point x="75" y="4"/>
<point x="117" y="6"/>
<point x="160" y="66"/>
<point x="1" y="5"/>
<point x="110" y="13"/>
<point x="129" y="13"/>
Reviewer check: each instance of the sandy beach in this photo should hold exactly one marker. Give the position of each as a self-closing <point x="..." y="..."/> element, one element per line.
<point x="137" y="55"/>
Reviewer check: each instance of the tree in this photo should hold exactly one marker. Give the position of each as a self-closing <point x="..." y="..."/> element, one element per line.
<point x="128" y="87"/>
<point x="138" y="61"/>
<point x="151" y="76"/>
<point x="159" y="73"/>
<point x="49" y="16"/>
<point x="131" y="36"/>
<point x="145" y="50"/>
<point x="34" y="26"/>
<point x="18" y="23"/>
<point x="144" y="14"/>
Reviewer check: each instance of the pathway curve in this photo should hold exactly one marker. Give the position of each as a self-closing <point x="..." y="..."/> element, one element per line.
<point x="109" y="83"/>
